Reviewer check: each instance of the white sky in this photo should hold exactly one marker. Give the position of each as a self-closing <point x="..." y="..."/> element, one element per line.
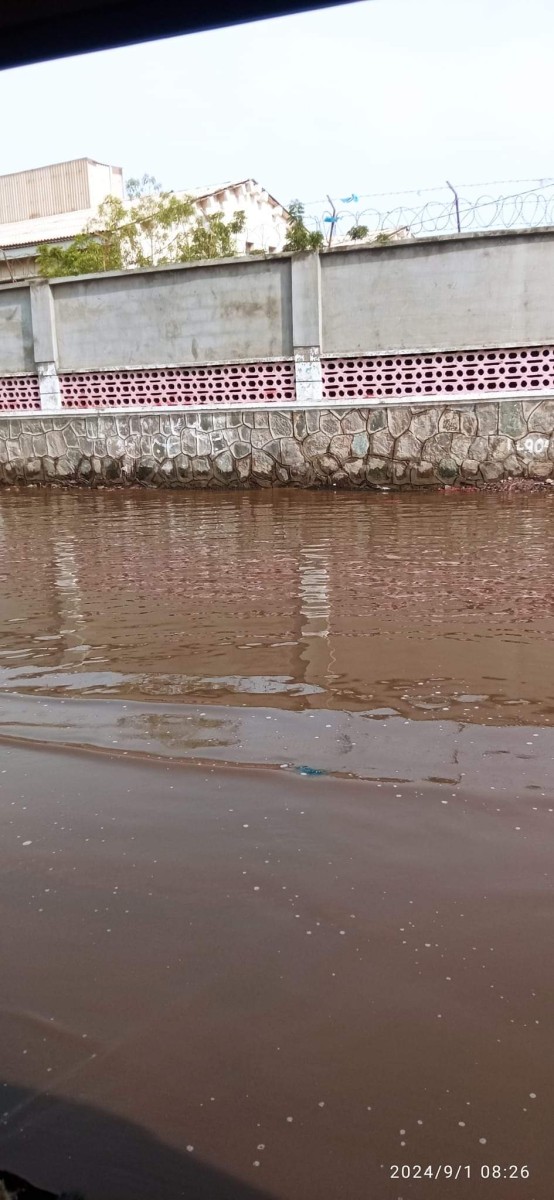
<point x="371" y="97"/>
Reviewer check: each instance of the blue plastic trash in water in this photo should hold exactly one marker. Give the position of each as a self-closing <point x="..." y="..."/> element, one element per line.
<point x="310" y="770"/>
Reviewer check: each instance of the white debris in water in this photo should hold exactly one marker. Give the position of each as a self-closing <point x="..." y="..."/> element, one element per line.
<point x="483" y="1141"/>
<point x="27" y="843"/>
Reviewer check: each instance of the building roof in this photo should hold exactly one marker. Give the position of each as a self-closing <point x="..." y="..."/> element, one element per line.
<point x="64" y="226"/>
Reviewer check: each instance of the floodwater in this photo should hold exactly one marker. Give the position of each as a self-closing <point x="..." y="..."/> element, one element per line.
<point x="276" y="814"/>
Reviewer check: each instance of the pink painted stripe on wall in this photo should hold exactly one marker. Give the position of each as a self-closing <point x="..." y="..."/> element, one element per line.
<point x="20" y="394"/>
<point x="479" y="372"/>
<point x="250" y="383"/>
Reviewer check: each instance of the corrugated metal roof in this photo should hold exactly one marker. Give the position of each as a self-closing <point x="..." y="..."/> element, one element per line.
<point x="44" y="229"/>
<point x="44" y="191"/>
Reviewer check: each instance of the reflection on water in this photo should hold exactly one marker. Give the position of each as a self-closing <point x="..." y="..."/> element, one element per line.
<point x="222" y="982"/>
<point x="431" y="605"/>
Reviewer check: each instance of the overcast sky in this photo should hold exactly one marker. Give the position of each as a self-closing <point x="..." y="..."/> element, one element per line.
<point x="371" y="97"/>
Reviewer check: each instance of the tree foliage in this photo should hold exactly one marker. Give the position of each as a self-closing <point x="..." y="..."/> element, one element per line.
<point x="298" y="236"/>
<point x="358" y="233"/>
<point x="155" y="229"/>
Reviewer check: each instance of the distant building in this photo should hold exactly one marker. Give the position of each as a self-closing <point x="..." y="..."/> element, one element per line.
<point x="53" y="204"/>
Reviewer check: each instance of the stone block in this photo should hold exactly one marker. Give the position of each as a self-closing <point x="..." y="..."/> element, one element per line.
<point x="55" y="444"/>
<point x="159" y="449"/>
<point x="316" y="444"/>
<point x="378" y="470"/>
<point x="115" y="447"/>
<point x="33" y="468"/>
<point x="400" y="473"/>
<point x="468" y="423"/>
<point x="487" y="418"/>
<point x="422" y="474"/>
<point x="112" y="469"/>
<point x="299" y="424"/>
<point x="201" y="468"/>
<point x="399" y="420"/>
<point x="188" y="442"/>
<point x="329" y="423"/>
<point x="491" y="471"/>
<point x="511" y="420"/>
<point x="470" y="469"/>
<point x="312" y="420"/>
<point x="437" y="447"/>
<point x="243" y="468"/>
<point x="447" y="469"/>
<point x="479" y="449"/>
<point x="291" y="454"/>
<point x="13" y="450"/>
<point x="274" y="449"/>
<point x="203" y="444"/>
<point x="341" y="446"/>
<point x="356" y="470"/>
<point x="425" y="423"/>
<point x="407" y="447"/>
<point x="64" y="470"/>
<point x="500" y="447"/>
<point x="459" y="447"/>
<point x="183" y="465"/>
<point x="282" y="475"/>
<point x="259" y="438"/>
<point x="540" y="470"/>
<point x="280" y="424"/>
<point x="325" y="465"/>
<point x="541" y="419"/>
<point x="302" y="474"/>
<point x="381" y="444"/>
<point x="220" y="420"/>
<point x="529" y="406"/>
<point x="449" y="420"/>
<point x="218" y="443"/>
<point x="376" y="420"/>
<point x="513" y="465"/>
<point x="39" y="444"/>
<point x="360" y="444"/>
<point x="240" y="450"/>
<point x="262" y="465"/>
<point x="224" y="464"/>
<point x="353" y="422"/>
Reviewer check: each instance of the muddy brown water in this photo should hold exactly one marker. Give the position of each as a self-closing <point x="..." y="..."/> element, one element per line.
<point x="276" y="814"/>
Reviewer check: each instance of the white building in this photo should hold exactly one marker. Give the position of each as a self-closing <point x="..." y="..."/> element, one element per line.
<point x="53" y="204"/>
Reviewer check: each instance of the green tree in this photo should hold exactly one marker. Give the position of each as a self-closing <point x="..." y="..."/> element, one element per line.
<point x="155" y="229"/>
<point x="298" y="236"/>
<point x="211" y="237"/>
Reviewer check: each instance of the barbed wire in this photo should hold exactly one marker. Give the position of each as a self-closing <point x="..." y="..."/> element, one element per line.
<point x="532" y="208"/>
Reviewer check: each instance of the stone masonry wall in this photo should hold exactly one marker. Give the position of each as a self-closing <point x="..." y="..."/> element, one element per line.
<point x="398" y="445"/>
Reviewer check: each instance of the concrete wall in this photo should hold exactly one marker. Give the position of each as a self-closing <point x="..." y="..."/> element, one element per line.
<point x="453" y="293"/>
<point x="16" y="333"/>
<point x="162" y="318"/>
